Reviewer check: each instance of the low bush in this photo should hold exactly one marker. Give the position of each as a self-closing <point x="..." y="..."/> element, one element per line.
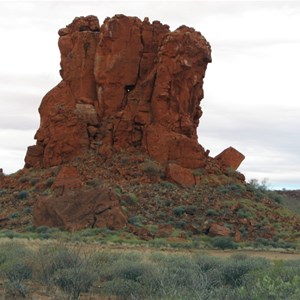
<point x="151" y="168"/>
<point x="22" y="195"/>
<point x="224" y="243"/>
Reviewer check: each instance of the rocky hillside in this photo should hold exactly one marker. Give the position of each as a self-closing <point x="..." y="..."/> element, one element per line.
<point x="117" y="145"/>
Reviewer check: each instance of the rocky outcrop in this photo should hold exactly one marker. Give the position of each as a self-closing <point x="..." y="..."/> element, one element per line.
<point x="75" y="210"/>
<point x="126" y="85"/>
<point x="230" y="158"/>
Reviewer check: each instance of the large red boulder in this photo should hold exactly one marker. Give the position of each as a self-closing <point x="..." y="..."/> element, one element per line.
<point x="76" y="210"/>
<point x="230" y="158"/>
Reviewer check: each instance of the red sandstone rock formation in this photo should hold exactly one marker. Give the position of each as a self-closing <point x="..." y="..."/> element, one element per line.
<point x="129" y="84"/>
<point x="79" y="210"/>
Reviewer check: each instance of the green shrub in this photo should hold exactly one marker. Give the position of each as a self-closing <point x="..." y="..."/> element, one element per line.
<point x="151" y="168"/>
<point x="34" y="181"/>
<point x="222" y="242"/>
<point x="75" y="280"/>
<point x="168" y="185"/>
<point x="15" y="268"/>
<point x="243" y="213"/>
<point x="136" y="220"/>
<point x="3" y="192"/>
<point x="70" y="270"/>
<point x="199" y="172"/>
<point x="179" y="210"/>
<point x="27" y="210"/>
<point x="14" y="215"/>
<point x="211" y="212"/>
<point x="22" y="195"/>
<point x="129" y="198"/>
<point x="24" y="179"/>
<point x="235" y="269"/>
<point x="49" y="182"/>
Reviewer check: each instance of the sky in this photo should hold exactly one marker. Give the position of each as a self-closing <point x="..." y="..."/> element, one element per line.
<point x="251" y="88"/>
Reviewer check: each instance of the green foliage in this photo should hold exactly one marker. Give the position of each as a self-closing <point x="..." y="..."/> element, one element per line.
<point x="199" y="172"/>
<point x="3" y="192"/>
<point x="223" y="242"/>
<point x="70" y="270"/>
<point x="14" y="215"/>
<point x="243" y="213"/>
<point x="34" y="181"/>
<point x="184" y="209"/>
<point x="151" y="168"/>
<point x="15" y="268"/>
<point x="136" y="220"/>
<point x="130" y="198"/>
<point x="24" y="179"/>
<point x="22" y="195"/>
<point x="237" y="189"/>
<point x="50" y="181"/>
<point x="179" y="210"/>
<point x="144" y="275"/>
<point x="211" y="212"/>
<point x="168" y="185"/>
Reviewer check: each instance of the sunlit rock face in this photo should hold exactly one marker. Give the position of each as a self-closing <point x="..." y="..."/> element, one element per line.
<point x="126" y="85"/>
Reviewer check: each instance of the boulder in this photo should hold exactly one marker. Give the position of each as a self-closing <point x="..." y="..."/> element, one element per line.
<point x="230" y="158"/>
<point x="218" y="230"/>
<point x="75" y="210"/>
<point x="180" y="175"/>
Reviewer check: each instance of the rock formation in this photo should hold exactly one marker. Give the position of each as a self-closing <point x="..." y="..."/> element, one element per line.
<point x="80" y="210"/>
<point x="130" y="85"/>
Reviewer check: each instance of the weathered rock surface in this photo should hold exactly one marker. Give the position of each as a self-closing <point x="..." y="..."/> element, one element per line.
<point x="68" y="178"/>
<point x="180" y="175"/>
<point x="126" y="85"/>
<point x="79" y="210"/>
<point x="230" y="158"/>
<point x="218" y="230"/>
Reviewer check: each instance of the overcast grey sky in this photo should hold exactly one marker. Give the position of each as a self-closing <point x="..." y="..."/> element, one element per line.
<point x="251" y="88"/>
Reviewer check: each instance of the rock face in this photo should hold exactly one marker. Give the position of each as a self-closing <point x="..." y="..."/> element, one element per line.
<point x="128" y="84"/>
<point x="79" y="210"/>
<point x="230" y="158"/>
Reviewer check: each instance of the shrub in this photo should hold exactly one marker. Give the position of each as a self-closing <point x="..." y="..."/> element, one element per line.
<point x="211" y="212"/>
<point x="75" y="280"/>
<point x="180" y="210"/>
<point x="22" y="195"/>
<point x="199" y="172"/>
<point x="24" y="179"/>
<point x="151" y="168"/>
<point x="34" y="181"/>
<point x="136" y="220"/>
<point x="243" y="213"/>
<point x="49" y="182"/>
<point x="223" y="242"/>
<point x="168" y="185"/>
<point x="16" y="273"/>
<point x="27" y="210"/>
<point x="70" y="270"/>
<point x="130" y="198"/>
<point x="14" y="215"/>
<point x="15" y="267"/>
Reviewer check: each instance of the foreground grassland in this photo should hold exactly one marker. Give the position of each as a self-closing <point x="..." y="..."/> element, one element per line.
<point x="57" y="270"/>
